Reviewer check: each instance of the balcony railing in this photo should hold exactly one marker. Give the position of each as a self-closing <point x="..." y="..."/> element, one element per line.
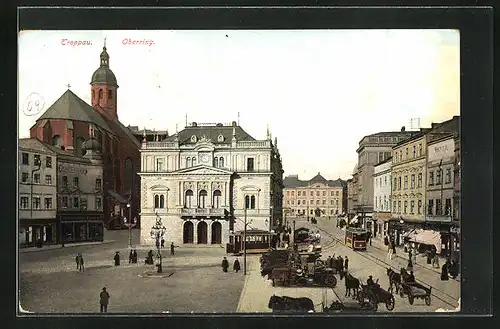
<point x="156" y="145"/>
<point x="202" y="212"/>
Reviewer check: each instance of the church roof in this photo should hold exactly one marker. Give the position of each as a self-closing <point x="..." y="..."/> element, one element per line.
<point x="212" y="133"/>
<point x="104" y="74"/>
<point x="71" y="107"/>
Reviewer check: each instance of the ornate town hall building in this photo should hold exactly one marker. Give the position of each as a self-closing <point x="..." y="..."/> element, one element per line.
<point x="200" y="180"/>
<point x="69" y="122"/>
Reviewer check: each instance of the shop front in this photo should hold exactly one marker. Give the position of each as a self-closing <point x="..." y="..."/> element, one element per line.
<point x="399" y="228"/>
<point x="380" y="224"/>
<point x="81" y="226"/>
<point x="37" y="233"/>
<point x="450" y="236"/>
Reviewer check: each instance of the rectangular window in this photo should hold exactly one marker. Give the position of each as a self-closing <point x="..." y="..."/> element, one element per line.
<point x="48" y="179"/>
<point x="65" y="181"/>
<point x="64" y="202"/>
<point x="317" y="201"/>
<point x="406" y="154"/>
<point x="324" y="202"/>
<point x="406" y="182"/>
<point x="430" y="207"/>
<point x="293" y="193"/>
<point x="159" y="164"/>
<point x="399" y="182"/>
<point x="337" y="193"/>
<point x="36" y="179"/>
<point x="312" y="193"/>
<point x="36" y="202"/>
<point x="98" y="184"/>
<point x="399" y="207"/>
<point x="24" y="177"/>
<point x="48" y="162"/>
<point x="312" y="202"/>
<point x="331" y="193"/>
<point x="414" y="151"/>
<point x="298" y="202"/>
<point x="98" y="203"/>
<point x="447" y="207"/>
<point x="48" y="203"/>
<point x="413" y="181"/>
<point x="317" y="193"/>
<point x="76" y="202"/>
<point x="406" y="206"/>
<point x="419" y="180"/>
<point x="75" y="181"/>
<point x="448" y="175"/>
<point x="287" y="193"/>
<point x="419" y="149"/>
<point x="331" y="202"/>
<point x="250" y="164"/>
<point x="395" y="183"/>
<point x="412" y="207"/>
<point x="37" y="162"/>
<point x="26" y="158"/>
<point x="431" y="178"/>
<point x="394" y="207"/>
<point x="293" y="202"/>
<point x="420" y="207"/>
<point x="324" y="193"/>
<point x="24" y="202"/>
<point x="438" y="176"/>
<point x="298" y="193"/>
<point x="439" y="208"/>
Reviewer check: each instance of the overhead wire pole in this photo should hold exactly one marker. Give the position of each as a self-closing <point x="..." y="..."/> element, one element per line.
<point x="245" y="242"/>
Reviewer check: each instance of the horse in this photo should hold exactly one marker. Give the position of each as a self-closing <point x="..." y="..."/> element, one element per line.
<point x="350" y="283"/>
<point x="285" y="303"/>
<point x="394" y="279"/>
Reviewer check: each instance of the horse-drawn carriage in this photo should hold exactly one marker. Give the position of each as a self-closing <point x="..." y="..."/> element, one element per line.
<point x="285" y="304"/>
<point x="415" y="290"/>
<point x="374" y="294"/>
<point x="338" y="306"/>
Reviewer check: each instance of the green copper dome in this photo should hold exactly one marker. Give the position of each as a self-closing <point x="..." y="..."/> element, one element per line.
<point x="104" y="74"/>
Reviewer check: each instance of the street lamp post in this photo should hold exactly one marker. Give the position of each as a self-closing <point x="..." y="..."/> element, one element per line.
<point x="157" y="232"/>
<point x="130" y="224"/>
<point x="245" y="242"/>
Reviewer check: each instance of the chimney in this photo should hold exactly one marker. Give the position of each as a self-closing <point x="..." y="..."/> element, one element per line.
<point x="403" y="129"/>
<point x="234" y="124"/>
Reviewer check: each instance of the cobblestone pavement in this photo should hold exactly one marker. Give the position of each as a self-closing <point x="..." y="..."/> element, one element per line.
<point x="257" y="290"/>
<point x="50" y="283"/>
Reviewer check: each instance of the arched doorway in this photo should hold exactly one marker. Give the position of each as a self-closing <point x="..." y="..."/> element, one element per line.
<point x="216" y="233"/>
<point x="188" y="232"/>
<point x="202" y="232"/>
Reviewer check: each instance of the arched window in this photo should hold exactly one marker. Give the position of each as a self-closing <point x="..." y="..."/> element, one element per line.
<point x="157" y="201"/>
<point x="247" y="201"/>
<point x="110" y="94"/>
<point x="252" y="202"/>
<point x="162" y="201"/>
<point x="194" y="161"/>
<point x="221" y="162"/>
<point x="56" y="141"/>
<point x="216" y="162"/>
<point x="188" y="162"/>
<point x="188" y="200"/>
<point x="100" y="93"/>
<point x="203" y="199"/>
<point x="217" y="199"/>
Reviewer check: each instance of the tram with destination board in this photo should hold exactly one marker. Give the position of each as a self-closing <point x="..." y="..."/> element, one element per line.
<point x="258" y="241"/>
<point x="355" y="238"/>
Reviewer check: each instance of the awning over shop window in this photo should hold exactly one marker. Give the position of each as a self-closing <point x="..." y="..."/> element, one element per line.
<point x="354" y="220"/>
<point x="410" y="234"/>
<point x="428" y="237"/>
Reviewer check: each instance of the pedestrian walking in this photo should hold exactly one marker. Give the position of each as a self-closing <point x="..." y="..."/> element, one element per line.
<point x="453" y="269"/>
<point x="82" y="267"/>
<point x="386" y="241"/>
<point x="130" y="256"/>
<point x="236" y="265"/>
<point x="444" y="271"/>
<point x="134" y="257"/>
<point x="172" y="249"/>
<point x="389" y="251"/>
<point x="77" y="260"/>
<point x="117" y="258"/>
<point x="157" y="244"/>
<point x="346" y="263"/>
<point x="329" y="262"/>
<point x="393" y="248"/>
<point x="104" y="300"/>
<point x="162" y="243"/>
<point x="225" y="264"/>
<point x="435" y="261"/>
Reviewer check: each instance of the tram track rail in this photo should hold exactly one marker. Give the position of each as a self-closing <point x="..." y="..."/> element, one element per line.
<point x="445" y="297"/>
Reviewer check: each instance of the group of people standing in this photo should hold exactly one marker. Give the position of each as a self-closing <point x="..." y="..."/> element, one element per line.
<point x="79" y="262"/>
<point x="450" y="268"/>
<point x="225" y="265"/>
<point x="391" y="246"/>
<point x="338" y="263"/>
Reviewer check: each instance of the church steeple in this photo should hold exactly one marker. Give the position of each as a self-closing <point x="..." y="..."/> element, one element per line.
<point x="104" y="87"/>
<point x="104" y="56"/>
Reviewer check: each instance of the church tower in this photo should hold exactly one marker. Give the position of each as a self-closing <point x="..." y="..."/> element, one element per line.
<point x="104" y="87"/>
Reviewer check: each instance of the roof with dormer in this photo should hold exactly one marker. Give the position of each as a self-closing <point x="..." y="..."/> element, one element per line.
<point x="211" y="132"/>
<point x="293" y="181"/>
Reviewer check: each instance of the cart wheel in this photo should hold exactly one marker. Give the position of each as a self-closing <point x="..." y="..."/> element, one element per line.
<point x="389" y="304"/>
<point x="428" y="300"/>
<point x="411" y="299"/>
<point x="331" y="281"/>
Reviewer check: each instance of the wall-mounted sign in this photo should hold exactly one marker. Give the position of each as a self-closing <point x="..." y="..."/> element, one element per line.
<point x="442" y="150"/>
<point x="72" y="170"/>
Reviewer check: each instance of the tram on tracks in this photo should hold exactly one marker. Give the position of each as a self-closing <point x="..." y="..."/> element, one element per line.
<point x="257" y="242"/>
<point x="355" y="238"/>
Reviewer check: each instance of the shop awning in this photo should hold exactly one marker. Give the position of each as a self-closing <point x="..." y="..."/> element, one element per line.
<point x="354" y="220"/>
<point x="428" y="237"/>
<point x="410" y="234"/>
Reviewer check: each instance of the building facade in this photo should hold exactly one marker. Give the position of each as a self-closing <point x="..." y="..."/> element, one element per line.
<point x="201" y="180"/>
<point x="66" y="125"/>
<point x="317" y="197"/>
<point x="37" y="193"/>
<point x="373" y="149"/>
<point x="382" y="187"/>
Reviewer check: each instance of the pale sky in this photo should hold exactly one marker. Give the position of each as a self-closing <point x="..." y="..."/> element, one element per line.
<point x="320" y="91"/>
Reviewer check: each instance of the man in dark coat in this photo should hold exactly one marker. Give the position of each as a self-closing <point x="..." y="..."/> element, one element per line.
<point x="130" y="256"/>
<point x="225" y="264"/>
<point x="134" y="257"/>
<point x="329" y="262"/>
<point x="162" y="243"/>
<point x="157" y="244"/>
<point x="386" y="240"/>
<point x="453" y="269"/>
<point x="444" y="271"/>
<point x="172" y="249"/>
<point x="236" y="265"/>
<point x="77" y="260"/>
<point x="117" y="258"/>
<point x="149" y="258"/>
<point x="82" y="267"/>
<point x="104" y="300"/>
